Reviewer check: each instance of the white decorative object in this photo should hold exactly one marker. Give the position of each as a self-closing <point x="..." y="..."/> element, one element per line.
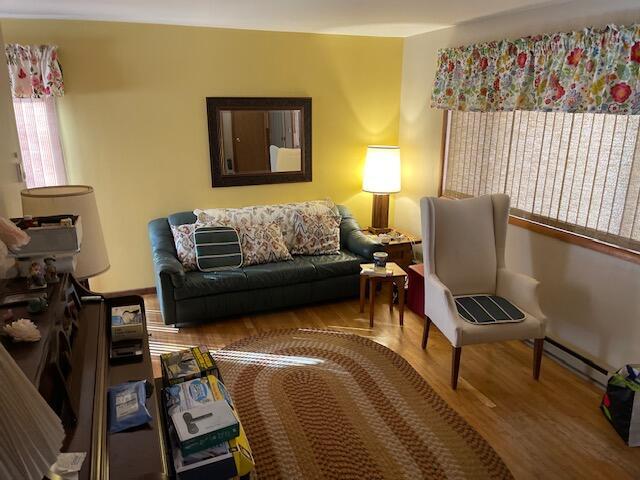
<point x="10" y="237"/>
<point x="23" y="330"/>
<point x="32" y="433"/>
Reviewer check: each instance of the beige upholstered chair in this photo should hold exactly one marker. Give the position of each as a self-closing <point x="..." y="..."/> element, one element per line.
<point x="463" y="247"/>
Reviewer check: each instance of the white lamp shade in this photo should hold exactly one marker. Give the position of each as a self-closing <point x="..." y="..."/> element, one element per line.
<point x="74" y="200"/>
<point x="382" y="169"/>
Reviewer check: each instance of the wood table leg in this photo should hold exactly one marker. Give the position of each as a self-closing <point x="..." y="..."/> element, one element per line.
<point x="401" y="293"/>
<point x="363" y="291"/>
<point x="538" y="348"/>
<point x="455" y="366"/>
<point x="390" y="297"/>
<point x="425" y="332"/>
<point x="372" y="299"/>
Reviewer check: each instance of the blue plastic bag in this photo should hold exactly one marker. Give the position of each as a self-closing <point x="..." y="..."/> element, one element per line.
<point x="127" y="406"/>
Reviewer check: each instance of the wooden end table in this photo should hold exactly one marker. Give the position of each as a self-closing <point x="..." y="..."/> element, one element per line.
<point x="400" y="248"/>
<point x="397" y="278"/>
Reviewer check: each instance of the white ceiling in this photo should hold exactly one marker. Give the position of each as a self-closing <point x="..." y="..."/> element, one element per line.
<point x="390" y="18"/>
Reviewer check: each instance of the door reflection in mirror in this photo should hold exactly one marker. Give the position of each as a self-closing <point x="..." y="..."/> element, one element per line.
<point x="261" y="141"/>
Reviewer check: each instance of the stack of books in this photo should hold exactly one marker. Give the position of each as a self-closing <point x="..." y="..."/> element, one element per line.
<point x="205" y="434"/>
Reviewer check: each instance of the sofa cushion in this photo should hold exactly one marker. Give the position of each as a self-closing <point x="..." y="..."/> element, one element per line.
<point x="200" y="284"/>
<point x="316" y="232"/>
<point x="263" y="244"/>
<point x="217" y="248"/>
<point x="278" y="274"/>
<point x="181" y="218"/>
<point x="327" y="266"/>
<point x="281" y="214"/>
<point x="183" y="239"/>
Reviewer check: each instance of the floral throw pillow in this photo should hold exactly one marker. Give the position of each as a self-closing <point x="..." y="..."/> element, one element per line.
<point x="263" y="243"/>
<point x="185" y="246"/>
<point x="317" y="232"/>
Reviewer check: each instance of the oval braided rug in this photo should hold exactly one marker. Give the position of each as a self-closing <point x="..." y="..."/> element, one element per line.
<point x="323" y="404"/>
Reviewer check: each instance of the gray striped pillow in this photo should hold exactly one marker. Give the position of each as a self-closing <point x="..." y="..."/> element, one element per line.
<point x="217" y="248"/>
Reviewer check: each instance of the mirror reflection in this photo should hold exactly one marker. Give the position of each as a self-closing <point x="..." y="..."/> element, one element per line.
<point x="261" y="141"/>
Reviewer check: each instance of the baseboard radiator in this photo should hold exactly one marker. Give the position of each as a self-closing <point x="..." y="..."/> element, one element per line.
<point x="575" y="362"/>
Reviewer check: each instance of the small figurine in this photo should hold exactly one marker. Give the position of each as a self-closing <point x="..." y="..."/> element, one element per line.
<point x="50" y="272"/>
<point x="35" y="279"/>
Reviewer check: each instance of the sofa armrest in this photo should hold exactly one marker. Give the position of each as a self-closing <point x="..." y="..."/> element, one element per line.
<point x="352" y="238"/>
<point x="363" y="245"/>
<point x="165" y="261"/>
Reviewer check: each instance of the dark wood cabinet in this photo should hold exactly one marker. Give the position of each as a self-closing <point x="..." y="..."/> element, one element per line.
<point x="70" y="367"/>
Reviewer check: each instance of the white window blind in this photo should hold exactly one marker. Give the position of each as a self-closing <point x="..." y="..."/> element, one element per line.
<point x="37" y="122"/>
<point x="578" y="172"/>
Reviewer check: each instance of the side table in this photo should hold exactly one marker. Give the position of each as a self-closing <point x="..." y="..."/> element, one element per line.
<point x="399" y="249"/>
<point x="397" y="278"/>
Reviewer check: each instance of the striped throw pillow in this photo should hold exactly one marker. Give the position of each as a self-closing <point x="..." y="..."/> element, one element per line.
<point x="217" y="248"/>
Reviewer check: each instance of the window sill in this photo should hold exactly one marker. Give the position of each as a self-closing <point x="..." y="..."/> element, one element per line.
<point x="576" y="239"/>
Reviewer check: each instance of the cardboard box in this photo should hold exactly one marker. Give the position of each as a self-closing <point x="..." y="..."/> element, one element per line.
<point x="178" y="367"/>
<point x="227" y="460"/>
<point x="126" y="323"/>
<point x="205" y="426"/>
<point x="50" y="238"/>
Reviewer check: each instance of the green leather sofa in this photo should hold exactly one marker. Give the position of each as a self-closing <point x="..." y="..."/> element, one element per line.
<point x="195" y="297"/>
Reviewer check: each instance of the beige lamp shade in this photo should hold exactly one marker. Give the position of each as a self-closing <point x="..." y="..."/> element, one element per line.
<point x="75" y="200"/>
<point x="382" y="169"/>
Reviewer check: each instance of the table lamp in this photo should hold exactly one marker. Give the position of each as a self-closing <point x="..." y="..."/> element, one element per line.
<point x="381" y="177"/>
<point x="75" y="200"/>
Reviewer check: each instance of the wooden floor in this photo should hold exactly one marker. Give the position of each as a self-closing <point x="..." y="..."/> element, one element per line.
<point x="543" y="430"/>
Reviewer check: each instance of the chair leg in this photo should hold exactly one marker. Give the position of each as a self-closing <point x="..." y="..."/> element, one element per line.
<point x="538" y="347"/>
<point x="425" y="332"/>
<point x="455" y="366"/>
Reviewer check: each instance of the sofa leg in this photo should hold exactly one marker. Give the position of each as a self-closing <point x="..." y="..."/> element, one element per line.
<point x="538" y="348"/>
<point x="455" y="366"/>
<point x="425" y="332"/>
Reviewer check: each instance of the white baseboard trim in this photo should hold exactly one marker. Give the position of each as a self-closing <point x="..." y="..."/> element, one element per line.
<point x="575" y="362"/>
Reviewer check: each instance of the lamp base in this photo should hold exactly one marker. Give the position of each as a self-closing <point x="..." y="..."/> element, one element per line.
<point x="380" y="214"/>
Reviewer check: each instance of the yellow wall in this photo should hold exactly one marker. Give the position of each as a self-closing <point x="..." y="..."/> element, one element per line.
<point x="134" y="120"/>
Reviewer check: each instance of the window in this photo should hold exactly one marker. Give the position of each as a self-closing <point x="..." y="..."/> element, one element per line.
<point x="578" y="172"/>
<point x="37" y="122"/>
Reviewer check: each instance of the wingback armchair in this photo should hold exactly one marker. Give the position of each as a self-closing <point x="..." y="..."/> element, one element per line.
<point x="463" y="247"/>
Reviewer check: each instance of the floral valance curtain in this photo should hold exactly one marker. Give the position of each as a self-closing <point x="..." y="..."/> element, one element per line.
<point x="593" y="70"/>
<point x="34" y="71"/>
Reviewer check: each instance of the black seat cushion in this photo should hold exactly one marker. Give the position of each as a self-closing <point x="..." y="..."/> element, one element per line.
<point x="487" y="309"/>
<point x="337" y="265"/>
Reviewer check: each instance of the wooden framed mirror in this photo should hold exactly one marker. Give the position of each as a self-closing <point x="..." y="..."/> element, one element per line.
<point x="259" y="140"/>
